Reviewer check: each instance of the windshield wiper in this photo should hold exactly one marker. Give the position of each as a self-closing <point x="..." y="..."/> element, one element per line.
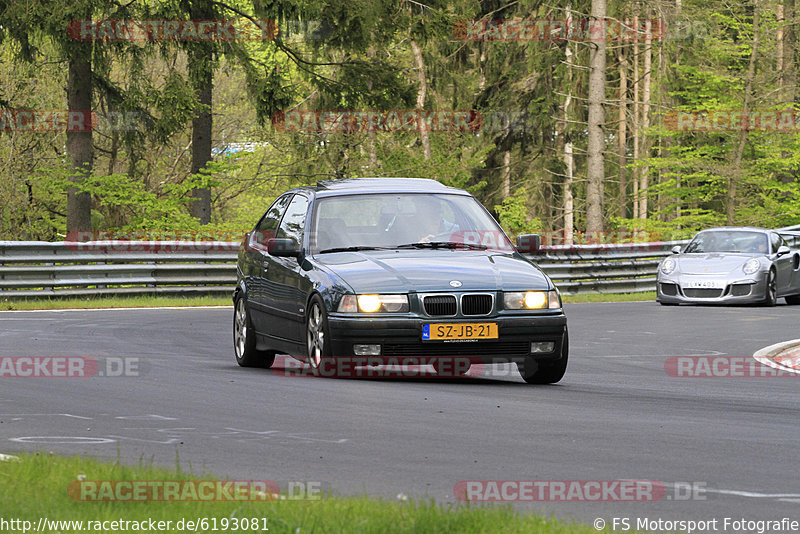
<point x="351" y="249"/>
<point x="443" y="244"/>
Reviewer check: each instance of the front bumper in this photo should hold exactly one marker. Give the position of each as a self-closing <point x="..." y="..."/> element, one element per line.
<point x="400" y="338"/>
<point x="748" y="290"/>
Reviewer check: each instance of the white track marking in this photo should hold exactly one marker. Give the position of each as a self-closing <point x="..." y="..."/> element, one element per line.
<point x="763" y="355"/>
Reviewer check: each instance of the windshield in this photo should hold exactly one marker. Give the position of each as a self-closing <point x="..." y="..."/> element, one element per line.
<point x="405" y="220"/>
<point x="729" y="241"/>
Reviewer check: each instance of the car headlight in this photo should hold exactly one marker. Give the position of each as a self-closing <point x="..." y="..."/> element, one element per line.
<point x="668" y="266"/>
<point x="531" y="300"/>
<point x="751" y="266"/>
<point x="373" y="303"/>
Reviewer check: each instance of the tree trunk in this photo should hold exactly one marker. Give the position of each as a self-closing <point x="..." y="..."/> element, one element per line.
<point x="648" y="64"/>
<point x="786" y="74"/>
<point x="785" y="48"/>
<point x="421" y="94"/>
<point x="371" y="133"/>
<point x="595" y="142"/>
<point x="202" y="79"/>
<point x="622" y="127"/>
<point x="662" y="142"/>
<point x="780" y="38"/>
<point x="506" y="174"/>
<point x="636" y="113"/>
<point x="79" y="143"/>
<point x="730" y="200"/>
<point x="676" y="60"/>
<point x="201" y="73"/>
<point x="568" y="150"/>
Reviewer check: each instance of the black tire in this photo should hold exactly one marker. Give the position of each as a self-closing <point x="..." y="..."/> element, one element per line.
<point x="545" y="372"/>
<point x="771" y="298"/>
<point x="793" y="299"/>
<point x="244" y="338"/>
<point x="318" y="345"/>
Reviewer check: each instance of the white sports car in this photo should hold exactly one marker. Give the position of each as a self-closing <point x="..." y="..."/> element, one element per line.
<point x="731" y="265"/>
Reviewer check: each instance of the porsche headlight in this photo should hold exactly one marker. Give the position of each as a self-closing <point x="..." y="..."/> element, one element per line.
<point x="531" y="300"/>
<point x="371" y="303"/>
<point x="668" y="266"/>
<point x="751" y="266"/>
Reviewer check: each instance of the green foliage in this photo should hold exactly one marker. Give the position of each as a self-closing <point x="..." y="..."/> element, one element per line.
<point x="360" y="58"/>
<point x="514" y="214"/>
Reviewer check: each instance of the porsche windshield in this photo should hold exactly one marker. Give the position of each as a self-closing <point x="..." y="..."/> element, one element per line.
<point x="729" y="241"/>
<point x="403" y="220"/>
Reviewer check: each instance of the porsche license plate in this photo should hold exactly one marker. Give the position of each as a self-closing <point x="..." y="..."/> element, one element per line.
<point x="704" y="284"/>
<point x="456" y="331"/>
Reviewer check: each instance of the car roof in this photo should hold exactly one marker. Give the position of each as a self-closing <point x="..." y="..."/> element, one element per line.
<point x="352" y="186"/>
<point x="735" y="228"/>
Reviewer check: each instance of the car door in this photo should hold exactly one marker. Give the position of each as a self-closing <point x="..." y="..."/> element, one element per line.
<point x="287" y="284"/>
<point x="783" y="265"/>
<point x="256" y="262"/>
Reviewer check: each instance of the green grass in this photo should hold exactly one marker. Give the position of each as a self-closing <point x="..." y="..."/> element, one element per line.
<point x="36" y="486"/>
<point x="152" y="302"/>
<point x="56" y="303"/>
<point x="609" y="297"/>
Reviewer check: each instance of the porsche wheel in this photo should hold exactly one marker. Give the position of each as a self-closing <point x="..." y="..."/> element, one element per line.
<point x="771" y="297"/>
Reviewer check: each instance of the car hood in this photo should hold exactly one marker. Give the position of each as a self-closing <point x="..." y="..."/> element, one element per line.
<point x="402" y="271"/>
<point x="712" y="263"/>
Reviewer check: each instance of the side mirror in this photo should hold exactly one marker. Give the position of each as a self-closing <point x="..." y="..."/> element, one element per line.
<point x="528" y="243"/>
<point x="676" y="249"/>
<point x="783" y="250"/>
<point x="283" y="248"/>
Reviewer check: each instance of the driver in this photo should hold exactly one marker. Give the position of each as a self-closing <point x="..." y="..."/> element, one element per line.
<point x="430" y="222"/>
<point x="710" y="243"/>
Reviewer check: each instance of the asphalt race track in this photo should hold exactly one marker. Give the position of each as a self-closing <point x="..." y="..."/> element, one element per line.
<point x="618" y="414"/>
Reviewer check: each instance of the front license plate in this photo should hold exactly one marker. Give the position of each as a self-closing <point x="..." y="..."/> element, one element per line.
<point x="451" y="331"/>
<point x="704" y="284"/>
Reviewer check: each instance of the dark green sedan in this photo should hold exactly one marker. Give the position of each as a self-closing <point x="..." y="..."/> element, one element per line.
<point x="389" y="271"/>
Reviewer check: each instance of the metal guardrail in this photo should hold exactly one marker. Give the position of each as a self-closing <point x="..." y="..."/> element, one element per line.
<point x="619" y="268"/>
<point x="37" y="268"/>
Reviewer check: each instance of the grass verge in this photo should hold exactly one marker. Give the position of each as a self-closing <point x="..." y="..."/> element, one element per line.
<point x="110" y="302"/>
<point x="35" y="487"/>
<point x="609" y="297"/>
<point x="156" y="301"/>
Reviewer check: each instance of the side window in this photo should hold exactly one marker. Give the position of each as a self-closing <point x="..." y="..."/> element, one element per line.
<point x="294" y="221"/>
<point x="775" y="240"/>
<point x="268" y="225"/>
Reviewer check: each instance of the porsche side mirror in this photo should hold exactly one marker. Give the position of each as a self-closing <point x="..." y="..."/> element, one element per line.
<point x="676" y="249"/>
<point x="528" y="243"/>
<point x="783" y="250"/>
